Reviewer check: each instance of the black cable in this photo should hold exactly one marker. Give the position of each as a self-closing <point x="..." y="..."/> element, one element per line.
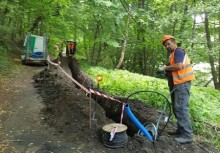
<point x="170" y="113"/>
<point x="120" y="139"/>
<point x="167" y="101"/>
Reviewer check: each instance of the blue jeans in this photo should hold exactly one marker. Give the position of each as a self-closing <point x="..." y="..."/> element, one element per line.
<point x="180" y="103"/>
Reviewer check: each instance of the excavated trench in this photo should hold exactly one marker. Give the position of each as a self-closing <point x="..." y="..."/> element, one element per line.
<point x="113" y="109"/>
<point x="68" y="111"/>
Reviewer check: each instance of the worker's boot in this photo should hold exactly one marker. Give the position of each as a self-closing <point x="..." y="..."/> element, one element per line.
<point x="177" y="132"/>
<point x="183" y="139"/>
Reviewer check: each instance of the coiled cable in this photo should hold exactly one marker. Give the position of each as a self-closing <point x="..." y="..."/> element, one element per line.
<point x="120" y="139"/>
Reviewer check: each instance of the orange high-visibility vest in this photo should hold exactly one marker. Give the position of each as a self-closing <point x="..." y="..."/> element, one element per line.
<point x="71" y="46"/>
<point x="185" y="74"/>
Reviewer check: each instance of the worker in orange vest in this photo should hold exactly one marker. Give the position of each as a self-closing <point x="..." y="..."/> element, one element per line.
<point x="56" y="51"/>
<point x="180" y="73"/>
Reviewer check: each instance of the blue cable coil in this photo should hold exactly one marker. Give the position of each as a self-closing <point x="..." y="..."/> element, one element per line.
<point x="37" y="55"/>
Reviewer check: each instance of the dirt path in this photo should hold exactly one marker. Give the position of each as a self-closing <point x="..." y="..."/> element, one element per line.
<point x="21" y="124"/>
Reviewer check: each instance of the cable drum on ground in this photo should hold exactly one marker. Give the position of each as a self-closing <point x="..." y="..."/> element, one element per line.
<point x="114" y="135"/>
<point x="120" y="139"/>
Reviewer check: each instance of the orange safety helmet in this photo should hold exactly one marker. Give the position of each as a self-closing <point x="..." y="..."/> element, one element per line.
<point x="167" y="37"/>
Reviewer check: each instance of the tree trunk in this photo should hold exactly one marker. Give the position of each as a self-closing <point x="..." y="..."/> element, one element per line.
<point x="175" y="22"/>
<point x="193" y="33"/>
<point x="94" y="45"/>
<point x="3" y="14"/>
<point x="211" y="58"/>
<point x="85" y="47"/>
<point x="145" y="68"/>
<point x="182" y="26"/>
<point x="140" y="57"/>
<point x="218" y="86"/>
<point x="98" y="54"/>
<point x="124" y="45"/>
<point x="35" y="23"/>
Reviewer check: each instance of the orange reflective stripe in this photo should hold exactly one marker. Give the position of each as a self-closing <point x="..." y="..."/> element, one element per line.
<point x="183" y="75"/>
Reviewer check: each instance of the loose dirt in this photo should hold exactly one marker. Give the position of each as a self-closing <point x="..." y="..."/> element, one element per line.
<point x="42" y="111"/>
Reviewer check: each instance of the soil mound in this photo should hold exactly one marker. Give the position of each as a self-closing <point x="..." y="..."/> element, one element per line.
<point x="67" y="111"/>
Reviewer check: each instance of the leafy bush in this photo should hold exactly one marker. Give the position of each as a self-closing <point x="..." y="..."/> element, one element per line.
<point x="6" y="66"/>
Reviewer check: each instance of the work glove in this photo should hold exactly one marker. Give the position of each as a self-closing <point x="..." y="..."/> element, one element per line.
<point x="161" y="69"/>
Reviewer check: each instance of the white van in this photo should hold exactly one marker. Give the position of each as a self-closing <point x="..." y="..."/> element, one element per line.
<point x="35" y="49"/>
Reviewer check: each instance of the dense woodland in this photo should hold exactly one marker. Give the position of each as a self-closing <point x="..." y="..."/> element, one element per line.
<point x="123" y="34"/>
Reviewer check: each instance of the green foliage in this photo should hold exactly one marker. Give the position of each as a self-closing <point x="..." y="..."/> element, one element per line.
<point x="99" y="27"/>
<point x="205" y="105"/>
<point x="6" y="66"/>
<point x="123" y="83"/>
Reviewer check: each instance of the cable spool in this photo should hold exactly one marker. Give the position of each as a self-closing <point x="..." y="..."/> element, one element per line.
<point x="151" y="128"/>
<point x="120" y="138"/>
